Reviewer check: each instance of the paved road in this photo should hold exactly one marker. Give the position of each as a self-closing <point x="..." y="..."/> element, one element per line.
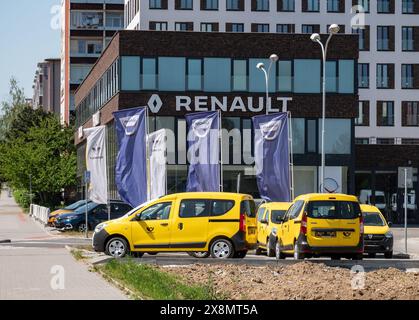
<point x="32" y="267"/>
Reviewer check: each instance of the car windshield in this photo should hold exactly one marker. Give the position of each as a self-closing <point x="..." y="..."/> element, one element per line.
<point x="373" y="219"/>
<point x="333" y="210"/>
<point x="82" y="209"/>
<point x="139" y="207"/>
<point x="75" y="205"/>
<point x="277" y="215"/>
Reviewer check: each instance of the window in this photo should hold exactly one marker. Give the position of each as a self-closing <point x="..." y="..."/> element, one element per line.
<point x="407" y="39"/>
<point x="86" y="47"/>
<point x="363" y="38"/>
<point x="277" y="215"/>
<point x="235" y="5"/>
<point x="209" y="27"/>
<point x="88" y="19"/>
<point x="310" y="28"/>
<point x="217" y="75"/>
<point x="239" y="75"/>
<point x="285" y="28"/>
<point x="340" y="141"/>
<point x="195" y="74"/>
<point x="346" y="76"/>
<point x="237" y="27"/>
<point x="210" y="5"/>
<point x="260" y="27"/>
<point x="385" y="141"/>
<point x="183" y="26"/>
<point x="307" y="82"/>
<point x="331" y="76"/>
<point x="363" y="114"/>
<point x="333" y="5"/>
<point x="362" y="141"/>
<point x="408" y="6"/>
<point x="257" y="77"/>
<point x="298" y="135"/>
<point x="260" y="5"/>
<point x="363" y="75"/>
<point x="287" y="6"/>
<point x="149" y="74"/>
<point x="407" y="76"/>
<point x="186" y="5"/>
<point x="384" y="76"/>
<point x="194" y="208"/>
<point x="172" y="74"/>
<point x="156" y="4"/>
<point x="160" y="211"/>
<point x="312" y="6"/>
<point x="261" y="214"/>
<point x="248" y="207"/>
<point x="311" y="136"/>
<point x="285" y="76"/>
<point x="385" y="41"/>
<point x="294" y="211"/>
<point x="78" y="73"/>
<point x="221" y="207"/>
<point x="365" y="4"/>
<point x="158" y="26"/>
<point x="411" y="113"/>
<point x="333" y="210"/>
<point x="114" y="20"/>
<point x="385" y="113"/>
<point x="383" y="6"/>
<point x="130" y="73"/>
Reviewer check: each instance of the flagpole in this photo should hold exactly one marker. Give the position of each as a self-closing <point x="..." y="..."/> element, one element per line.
<point x="147" y="153"/>
<point x="221" y="152"/>
<point x="291" y="158"/>
<point x="107" y="176"/>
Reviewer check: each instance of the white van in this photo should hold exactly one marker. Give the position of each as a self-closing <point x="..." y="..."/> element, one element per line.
<point x="365" y="197"/>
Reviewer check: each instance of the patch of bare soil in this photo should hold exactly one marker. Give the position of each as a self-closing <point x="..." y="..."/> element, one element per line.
<point x="302" y="281"/>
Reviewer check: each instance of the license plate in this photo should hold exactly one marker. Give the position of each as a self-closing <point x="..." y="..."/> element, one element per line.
<point x="326" y="234"/>
<point x="251" y="230"/>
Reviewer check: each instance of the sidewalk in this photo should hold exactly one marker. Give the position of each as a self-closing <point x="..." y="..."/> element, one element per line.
<point x="42" y="273"/>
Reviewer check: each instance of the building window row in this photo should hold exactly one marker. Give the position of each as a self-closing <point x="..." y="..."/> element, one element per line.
<point x="332" y="6"/>
<point x="106" y="87"/>
<point x="96" y="19"/>
<point x="385" y="75"/>
<point x="386" y="114"/>
<point x="233" y="75"/>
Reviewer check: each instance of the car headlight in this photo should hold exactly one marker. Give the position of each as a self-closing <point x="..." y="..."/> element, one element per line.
<point x="71" y="217"/>
<point x="100" y="227"/>
<point x="389" y="234"/>
<point x="274" y="231"/>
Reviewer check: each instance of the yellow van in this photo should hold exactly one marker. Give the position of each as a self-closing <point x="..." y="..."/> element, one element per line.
<point x="378" y="237"/>
<point x="322" y="225"/>
<point x="269" y="219"/>
<point x="223" y="224"/>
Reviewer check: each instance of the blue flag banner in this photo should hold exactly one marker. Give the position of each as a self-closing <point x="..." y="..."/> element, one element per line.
<point x="272" y="158"/>
<point x="203" y="152"/>
<point x="131" y="164"/>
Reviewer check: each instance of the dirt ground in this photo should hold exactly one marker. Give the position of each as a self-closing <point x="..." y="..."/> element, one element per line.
<point x="302" y="281"/>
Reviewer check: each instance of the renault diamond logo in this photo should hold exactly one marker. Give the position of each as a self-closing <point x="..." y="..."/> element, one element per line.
<point x="155" y="103"/>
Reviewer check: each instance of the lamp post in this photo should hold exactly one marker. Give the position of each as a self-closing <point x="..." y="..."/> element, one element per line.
<point x="261" y="66"/>
<point x="315" y="37"/>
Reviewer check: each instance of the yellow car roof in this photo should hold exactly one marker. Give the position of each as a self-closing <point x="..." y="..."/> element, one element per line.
<point x="276" y="205"/>
<point x="369" y="208"/>
<point x="206" y="195"/>
<point x="327" y="196"/>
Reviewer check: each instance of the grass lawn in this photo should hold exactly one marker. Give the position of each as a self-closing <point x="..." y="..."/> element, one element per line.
<point x="150" y="283"/>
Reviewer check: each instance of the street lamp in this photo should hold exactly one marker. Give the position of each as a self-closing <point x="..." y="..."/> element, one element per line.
<point x="315" y="37"/>
<point x="261" y="66"/>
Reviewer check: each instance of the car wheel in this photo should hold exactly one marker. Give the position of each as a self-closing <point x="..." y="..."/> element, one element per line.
<point x="297" y="254"/>
<point x="259" y="251"/>
<point x="81" y="227"/>
<point x="270" y="252"/>
<point x="388" y="255"/>
<point x="278" y="254"/>
<point x="199" y="255"/>
<point x="240" y="254"/>
<point x="117" y="248"/>
<point x="222" y="249"/>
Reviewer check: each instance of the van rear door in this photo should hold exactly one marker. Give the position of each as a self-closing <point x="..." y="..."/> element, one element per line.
<point x="333" y="223"/>
<point x="248" y="213"/>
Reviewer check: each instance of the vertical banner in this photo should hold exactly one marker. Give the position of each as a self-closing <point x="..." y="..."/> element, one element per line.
<point x="272" y="158"/>
<point x="157" y="146"/>
<point x="203" y="152"/>
<point x="131" y="164"/>
<point x="96" y="164"/>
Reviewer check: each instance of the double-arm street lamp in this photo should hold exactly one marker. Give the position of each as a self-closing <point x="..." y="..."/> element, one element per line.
<point x="261" y="66"/>
<point x="315" y="37"/>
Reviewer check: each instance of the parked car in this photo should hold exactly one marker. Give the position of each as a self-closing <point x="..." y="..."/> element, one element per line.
<point x="70" y="208"/>
<point x="269" y="219"/>
<point x="223" y="224"/>
<point x="96" y="213"/>
<point x="378" y="237"/>
<point x="365" y="197"/>
<point x="322" y="225"/>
